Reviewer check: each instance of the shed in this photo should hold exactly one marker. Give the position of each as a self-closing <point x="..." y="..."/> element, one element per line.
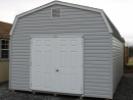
<point x="67" y="49"/>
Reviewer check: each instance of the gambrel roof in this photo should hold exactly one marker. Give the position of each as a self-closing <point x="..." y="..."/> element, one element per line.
<point x="110" y="26"/>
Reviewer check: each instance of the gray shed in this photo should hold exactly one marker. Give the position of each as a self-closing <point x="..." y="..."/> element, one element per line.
<point x="67" y="49"/>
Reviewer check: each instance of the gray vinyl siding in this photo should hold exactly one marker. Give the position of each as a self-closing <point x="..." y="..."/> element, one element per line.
<point x="98" y="66"/>
<point x="20" y="62"/>
<point x="97" y="42"/>
<point x="117" y="53"/>
<point x="71" y="20"/>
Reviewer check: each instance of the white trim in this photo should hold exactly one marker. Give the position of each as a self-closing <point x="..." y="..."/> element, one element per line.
<point x="55" y="35"/>
<point x="81" y="90"/>
<point x="65" y="4"/>
<point x="10" y="63"/>
<point x="30" y="68"/>
<point x="14" y="25"/>
<point x="106" y="22"/>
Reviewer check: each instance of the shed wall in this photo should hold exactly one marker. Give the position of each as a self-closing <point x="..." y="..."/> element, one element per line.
<point x="97" y="75"/>
<point x="98" y="65"/>
<point x="117" y="56"/>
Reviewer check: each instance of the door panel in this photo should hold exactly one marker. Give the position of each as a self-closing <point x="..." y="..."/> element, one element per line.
<point x="57" y="65"/>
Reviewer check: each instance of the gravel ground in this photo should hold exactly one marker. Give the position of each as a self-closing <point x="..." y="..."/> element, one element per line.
<point x="123" y="92"/>
<point x="125" y="88"/>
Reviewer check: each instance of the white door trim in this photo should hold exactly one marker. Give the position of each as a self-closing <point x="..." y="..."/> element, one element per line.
<point x="62" y="36"/>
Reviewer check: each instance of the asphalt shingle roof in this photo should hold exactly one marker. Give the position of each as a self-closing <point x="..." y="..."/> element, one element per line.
<point x="5" y="29"/>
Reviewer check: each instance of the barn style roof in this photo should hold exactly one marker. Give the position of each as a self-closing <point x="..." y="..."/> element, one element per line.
<point x="111" y="27"/>
<point x="5" y="29"/>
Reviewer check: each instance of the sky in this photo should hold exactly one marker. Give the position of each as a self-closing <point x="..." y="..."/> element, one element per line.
<point x="120" y="12"/>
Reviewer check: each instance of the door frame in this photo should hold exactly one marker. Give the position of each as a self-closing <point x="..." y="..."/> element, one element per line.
<point x="79" y="35"/>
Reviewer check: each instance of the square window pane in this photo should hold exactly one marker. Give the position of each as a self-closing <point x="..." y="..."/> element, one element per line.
<point x="4" y="46"/>
<point x="2" y="41"/>
<point x="4" y="54"/>
<point x="6" y="41"/>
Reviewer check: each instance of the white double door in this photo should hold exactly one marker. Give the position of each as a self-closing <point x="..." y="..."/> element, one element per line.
<point x="57" y="65"/>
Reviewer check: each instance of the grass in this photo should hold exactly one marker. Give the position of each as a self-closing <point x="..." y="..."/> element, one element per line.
<point x="130" y="62"/>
